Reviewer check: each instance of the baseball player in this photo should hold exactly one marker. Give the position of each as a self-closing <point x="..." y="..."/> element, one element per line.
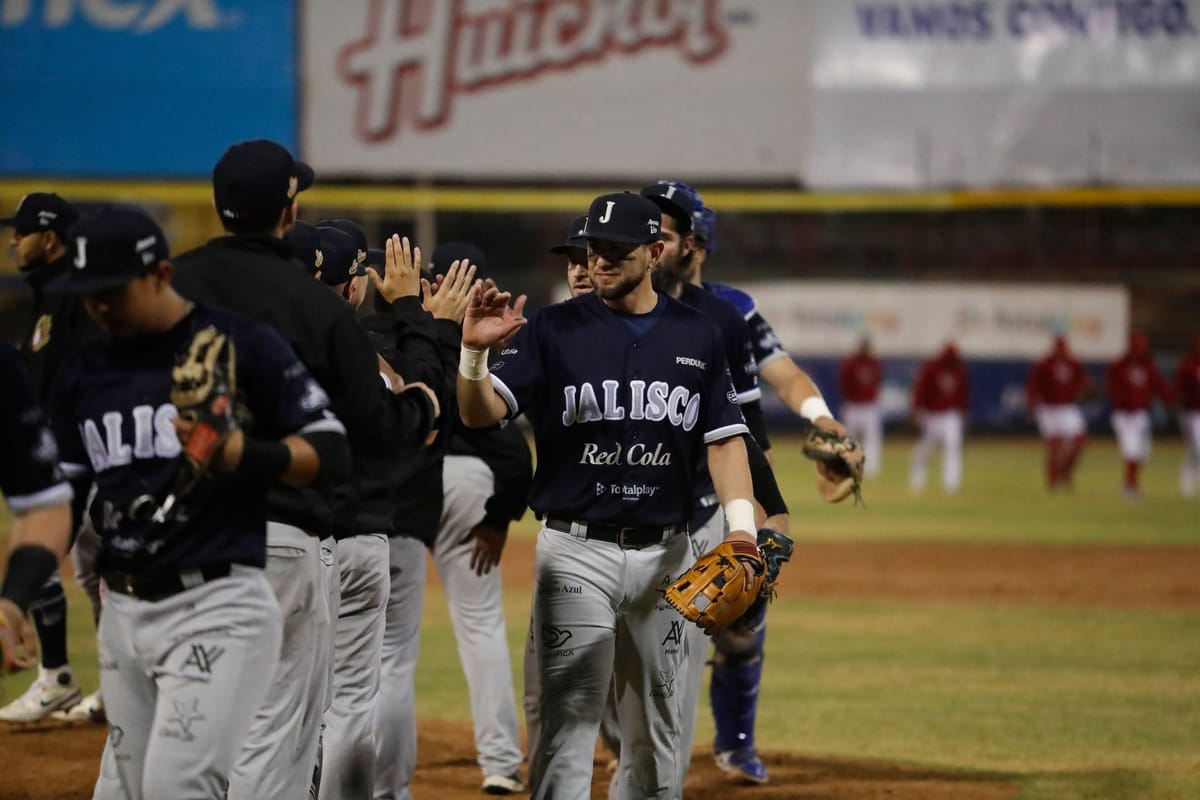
<point x="348" y="743"/>
<point x="485" y="479"/>
<point x="39" y="497"/>
<point x="1133" y="384"/>
<point x="940" y="398"/>
<point x="191" y="630"/>
<point x="251" y="271"/>
<point x="618" y="434"/>
<point x="40" y="224"/>
<point x="859" y="379"/>
<point x="1057" y="383"/>
<point x="1186" y="388"/>
<point x="417" y="510"/>
<point x="738" y="660"/>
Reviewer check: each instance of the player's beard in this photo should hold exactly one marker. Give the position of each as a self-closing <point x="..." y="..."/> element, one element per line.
<point x="619" y="290"/>
<point x="666" y="276"/>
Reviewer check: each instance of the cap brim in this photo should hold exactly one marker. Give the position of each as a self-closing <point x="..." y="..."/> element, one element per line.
<point x="574" y="243"/>
<point x="69" y="284"/>
<point x="376" y="256"/>
<point x="9" y="221"/>
<point x="304" y="176"/>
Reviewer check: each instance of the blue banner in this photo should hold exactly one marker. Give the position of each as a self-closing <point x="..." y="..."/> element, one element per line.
<point x="142" y="88"/>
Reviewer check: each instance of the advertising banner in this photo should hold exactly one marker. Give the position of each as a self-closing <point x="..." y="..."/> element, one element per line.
<point x="920" y="94"/>
<point x="993" y="321"/>
<point x="555" y="89"/>
<point x="99" y="88"/>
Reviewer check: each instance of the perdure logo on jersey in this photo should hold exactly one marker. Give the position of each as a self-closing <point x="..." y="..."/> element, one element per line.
<point x="153" y="436"/>
<point x="654" y="402"/>
<point x="690" y="362"/>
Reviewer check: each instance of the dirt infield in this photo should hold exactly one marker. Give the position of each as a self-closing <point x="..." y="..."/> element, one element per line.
<point x="59" y="763"/>
<point x="53" y="762"/>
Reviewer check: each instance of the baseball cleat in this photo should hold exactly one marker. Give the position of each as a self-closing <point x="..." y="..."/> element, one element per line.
<point x="503" y="784"/>
<point x="742" y="764"/>
<point x="89" y="709"/>
<point x="54" y="690"/>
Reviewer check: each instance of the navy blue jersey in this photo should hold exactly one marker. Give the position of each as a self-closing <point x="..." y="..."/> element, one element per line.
<point x="30" y="476"/>
<point x="766" y="344"/>
<point x="735" y="333"/>
<point x="113" y="415"/>
<point x="620" y="419"/>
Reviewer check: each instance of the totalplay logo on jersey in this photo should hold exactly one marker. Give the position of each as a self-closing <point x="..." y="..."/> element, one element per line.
<point x="654" y="402"/>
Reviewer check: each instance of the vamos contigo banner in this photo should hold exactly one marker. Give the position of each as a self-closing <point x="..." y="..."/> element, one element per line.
<point x="555" y="88"/>
<point x="914" y="321"/>
<point x="1001" y="92"/>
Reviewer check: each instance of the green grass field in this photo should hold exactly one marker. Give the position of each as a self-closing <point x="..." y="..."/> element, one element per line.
<point x="1068" y="703"/>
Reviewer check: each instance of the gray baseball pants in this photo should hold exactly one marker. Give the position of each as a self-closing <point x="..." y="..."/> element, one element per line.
<point x="181" y="679"/>
<point x="396" y="712"/>
<point x="598" y="613"/>
<point x="477" y="611"/>
<point x="348" y="760"/>
<point x="280" y="752"/>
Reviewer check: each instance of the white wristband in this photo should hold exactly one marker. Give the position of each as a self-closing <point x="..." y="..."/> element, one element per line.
<point x="739" y="514"/>
<point x="472" y="363"/>
<point x="814" y="407"/>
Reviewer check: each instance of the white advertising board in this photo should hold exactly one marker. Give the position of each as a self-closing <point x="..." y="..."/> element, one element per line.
<point x="916" y="320"/>
<point x="1004" y="92"/>
<point x="554" y="88"/>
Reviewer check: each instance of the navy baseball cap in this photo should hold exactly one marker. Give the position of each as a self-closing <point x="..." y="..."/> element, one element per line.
<point x="575" y="238"/>
<point x="256" y="180"/>
<point x="704" y="225"/>
<point x="672" y="200"/>
<point x="43" y="211"/>
<point x="352" y="229"/>
<point x="304" y="240"/>
<point x="624" y="217"/>
<point x="110" y="248"/>
<point x="339" y="256"/>
<point x="377" y="258"/>
<point x="446" y="253"/>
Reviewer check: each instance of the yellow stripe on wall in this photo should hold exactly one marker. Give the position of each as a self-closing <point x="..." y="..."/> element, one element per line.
<point x="493" y="199"/>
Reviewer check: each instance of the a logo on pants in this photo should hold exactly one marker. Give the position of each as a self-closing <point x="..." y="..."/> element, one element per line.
<point x="665" y="685"/>
<point x="553" y="637"/>
<point x="675" y="635"/>
<point x="202" y="659"/>
<point x="179" y="725"/>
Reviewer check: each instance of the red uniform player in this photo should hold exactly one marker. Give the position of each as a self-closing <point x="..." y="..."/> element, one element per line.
<point x="1133" y="384"/>
<point x="859" y="379"/>
<point x="940" y="398"/>
<point x="1057" y="384"/>
<point x="1187" y="396"/>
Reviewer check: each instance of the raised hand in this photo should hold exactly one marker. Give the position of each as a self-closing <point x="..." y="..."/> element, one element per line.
<point x="489" y="320"/>
<point x="402" y="271"/>
<point x="448" y="296"/>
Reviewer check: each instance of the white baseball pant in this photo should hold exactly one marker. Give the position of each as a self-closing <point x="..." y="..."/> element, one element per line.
<point x="280" y="751"/>
<point x="349" y="755"/>
<point x="477" y="611"/>
<point x="598" y="612"/>
<point x="396" y="711"/>
<point x="864" y="421"/>
<point x="1060" y="421"/>
<point x="182" y="677"/>
<point x="1189" y="471"/>
<point x="942" y="429"/>
<point x="1133" y="434"/>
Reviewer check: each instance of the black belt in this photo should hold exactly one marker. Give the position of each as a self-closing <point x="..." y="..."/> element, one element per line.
<point x="161" y="585"/>
<point x="626" y="538"/>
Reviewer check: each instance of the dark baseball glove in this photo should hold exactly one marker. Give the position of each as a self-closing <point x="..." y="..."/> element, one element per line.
<point x="776" y="550"/>
<point x="839" y="460"/>
<point x="719" y="587"/>
<point x="203" y="389"/>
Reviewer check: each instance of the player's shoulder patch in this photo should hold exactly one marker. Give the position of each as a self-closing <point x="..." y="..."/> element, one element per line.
<point x="742" y="301"/>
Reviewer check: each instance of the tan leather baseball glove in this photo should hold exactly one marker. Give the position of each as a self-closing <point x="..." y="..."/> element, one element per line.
<point x="719" y="587"/>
